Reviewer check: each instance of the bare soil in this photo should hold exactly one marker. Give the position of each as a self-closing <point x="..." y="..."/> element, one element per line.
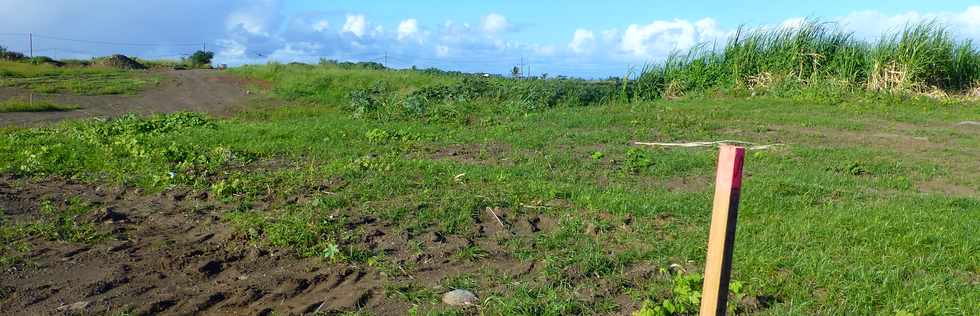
<point x="199" y="90"/>
<point x="170" y="253"/>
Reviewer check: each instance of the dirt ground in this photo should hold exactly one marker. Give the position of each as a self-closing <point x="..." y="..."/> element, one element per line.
<point x="170" y="253"/>
<point x="199" y="90"/>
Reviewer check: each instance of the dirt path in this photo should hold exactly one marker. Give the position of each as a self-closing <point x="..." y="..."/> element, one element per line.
<point x="200" y="90"/>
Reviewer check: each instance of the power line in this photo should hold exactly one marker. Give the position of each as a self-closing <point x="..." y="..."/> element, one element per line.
<point x="112" y="43"/>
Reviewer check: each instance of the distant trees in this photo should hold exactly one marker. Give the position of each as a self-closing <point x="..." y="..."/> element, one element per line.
<point x="10" y="55"/>
<point x="200" y="58"/>
<point x="515" y="72"/>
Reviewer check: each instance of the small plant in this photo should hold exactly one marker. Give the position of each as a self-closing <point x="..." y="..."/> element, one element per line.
<point x="64" y="224"/>
<point x="598" y="155"/>
<point x="685" y="297"/>
<point x="330" y="251"/>
<point x="637" y="160"/>
<point x="471" y="253"/>
<point x="378" y="136"/>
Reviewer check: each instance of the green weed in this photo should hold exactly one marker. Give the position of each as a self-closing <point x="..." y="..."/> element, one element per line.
<point x="18" y="105"/>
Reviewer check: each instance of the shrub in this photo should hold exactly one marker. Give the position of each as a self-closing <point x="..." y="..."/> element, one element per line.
<point x="201" y="59"/>
<point x="10" y="55"/>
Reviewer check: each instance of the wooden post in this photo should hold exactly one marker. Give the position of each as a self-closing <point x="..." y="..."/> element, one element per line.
<point x="721" y="238"/>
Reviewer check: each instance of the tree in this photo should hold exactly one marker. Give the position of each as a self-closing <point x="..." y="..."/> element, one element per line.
<point x="10" y="55"/>
<point x="515" y="72"/>
<point x="201" y="58"/>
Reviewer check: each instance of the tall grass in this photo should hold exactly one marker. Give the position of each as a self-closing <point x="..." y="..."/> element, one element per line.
<point x="816" y="60"/>
<point x="919" y="58"/>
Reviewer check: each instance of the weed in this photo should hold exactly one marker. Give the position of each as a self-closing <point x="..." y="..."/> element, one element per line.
<point x="637" y="160"/>
<point x="685" y="297"/>
<point x="17" y="105"/>
<point x="64" y="224"/>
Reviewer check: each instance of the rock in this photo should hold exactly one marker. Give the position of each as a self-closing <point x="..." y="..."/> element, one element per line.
<point x="109" y="214"/>
<point x="77" y="306"/>
<point x="460" y="297"/>
<point x="676" y="268"/>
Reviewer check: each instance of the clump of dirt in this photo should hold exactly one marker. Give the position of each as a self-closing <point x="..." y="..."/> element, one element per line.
<point x="120" y="62"/>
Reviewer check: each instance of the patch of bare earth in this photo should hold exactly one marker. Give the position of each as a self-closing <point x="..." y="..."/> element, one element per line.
<point x="200" y="90"/>
<point x="943" y="187"/>
<point x="490" y="154"/>
<point x="170" y="253"/>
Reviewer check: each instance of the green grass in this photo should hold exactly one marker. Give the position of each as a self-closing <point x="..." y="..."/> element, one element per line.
<point x="17" y="105"/>
<point x="834" y="222"/>
<point x="54" y="222"/>
<point x="817" y="58"/>
<point x="45" y="78"/>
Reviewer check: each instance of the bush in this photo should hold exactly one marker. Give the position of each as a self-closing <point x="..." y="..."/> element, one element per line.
<point x="10" y="55"/>
<point x="201" y="59"/>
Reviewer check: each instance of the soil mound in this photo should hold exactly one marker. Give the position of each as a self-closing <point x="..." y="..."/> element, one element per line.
<point x="121" y="62"/>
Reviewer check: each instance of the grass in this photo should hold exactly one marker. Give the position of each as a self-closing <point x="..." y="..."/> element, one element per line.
<point x="17" y="105"/>
<point x="839" y="220"/>
<point x="843" y="218"/>
<point x="45" y="78"/>
<point x="818" y="58"/>
<point x="55" y="222"/>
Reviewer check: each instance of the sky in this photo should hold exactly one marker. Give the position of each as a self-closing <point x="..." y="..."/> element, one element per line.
<point x="591" y="39"/>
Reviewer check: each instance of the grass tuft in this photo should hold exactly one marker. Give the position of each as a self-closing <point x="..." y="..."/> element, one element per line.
<point x="19" y="105"/>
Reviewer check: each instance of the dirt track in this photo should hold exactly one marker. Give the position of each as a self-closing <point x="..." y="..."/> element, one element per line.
<point x="210" y="91"/>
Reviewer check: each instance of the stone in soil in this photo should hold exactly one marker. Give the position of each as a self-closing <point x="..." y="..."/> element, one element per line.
<point x="459" y="297"/>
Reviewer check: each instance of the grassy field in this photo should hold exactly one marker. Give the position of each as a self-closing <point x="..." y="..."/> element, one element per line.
<point x="46" y="78"/>
<point x="869" y="205"/>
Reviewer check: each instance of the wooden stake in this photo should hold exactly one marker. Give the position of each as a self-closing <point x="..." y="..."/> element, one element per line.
<point x="721" y="238"/>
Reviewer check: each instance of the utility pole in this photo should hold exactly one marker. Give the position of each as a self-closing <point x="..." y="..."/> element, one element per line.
<point x="204" y="45"/>
<point x="386" y="60"/>
<point x="522" y="66"/>
<point x="30" y="41"/>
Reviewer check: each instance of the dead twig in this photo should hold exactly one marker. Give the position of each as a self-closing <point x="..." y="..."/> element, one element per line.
<point x="490" y="209"/>
<point x="751" y="146"/>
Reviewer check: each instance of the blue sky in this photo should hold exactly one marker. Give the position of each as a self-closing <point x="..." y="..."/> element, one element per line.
<point x="578" y="38"/>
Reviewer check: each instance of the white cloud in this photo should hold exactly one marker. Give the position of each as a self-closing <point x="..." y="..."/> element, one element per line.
<point x="793" y="23"/>
<point x="442" y="50"/>
<point x="493" y="23"/>
<point x="543" y="50"/>
<point x="321" y="25"/>
<point x="408" y="29"/>
<point x="659" y="37"/>
<point x="356" y="24"/>
<point x="870" y="24"/>
<point x="257" y="17"/>
<point x="583" y="41"/>
<point x="297" y="51"/>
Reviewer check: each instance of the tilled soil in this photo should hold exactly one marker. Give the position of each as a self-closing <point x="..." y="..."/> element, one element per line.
<point x="170" y="253"/>
<point x="199" y="90"/>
